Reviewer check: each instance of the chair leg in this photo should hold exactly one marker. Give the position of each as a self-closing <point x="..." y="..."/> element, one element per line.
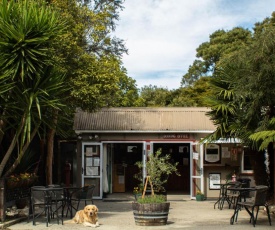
<point x="77" y="205"/>
<point x="252" y="217"/>
<point x="268" y="214"/>
<point x="257" y="214"/>
<point x="33" y="214"/>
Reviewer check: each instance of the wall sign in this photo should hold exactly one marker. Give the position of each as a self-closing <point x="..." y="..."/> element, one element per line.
<point x="212" y="154"/>
<point x="214" y="180"/>
<point x="176" y="136"/>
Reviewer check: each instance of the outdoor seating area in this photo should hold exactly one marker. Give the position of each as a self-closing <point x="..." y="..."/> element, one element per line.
<point x="51" y="201"/>
<point x="247" y="198"/>
<point x="258" y="199"/>
<point x="227" y="195"/>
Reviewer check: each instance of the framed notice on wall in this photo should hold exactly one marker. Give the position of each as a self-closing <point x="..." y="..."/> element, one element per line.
<point x="214" y="180"/>
<point x="212" y="154"/>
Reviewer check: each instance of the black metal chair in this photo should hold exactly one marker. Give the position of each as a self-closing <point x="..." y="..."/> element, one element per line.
<point x="82" y="194"/>
<point x="39" y="199"/>
<point x="223" y="196"/>
<point x="258" y="200"/>
<point x="58" y="200"/>
<point x="47" y="200"/>
<point x="233" y="195"/>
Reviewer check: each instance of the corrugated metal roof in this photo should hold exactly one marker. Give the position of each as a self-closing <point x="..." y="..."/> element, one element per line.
<point x="145" y="119"/>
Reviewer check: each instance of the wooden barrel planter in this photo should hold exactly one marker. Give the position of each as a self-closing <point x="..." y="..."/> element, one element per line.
<point x="151" y="214"/>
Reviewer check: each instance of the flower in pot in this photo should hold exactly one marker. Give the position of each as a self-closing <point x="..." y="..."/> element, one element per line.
<point x="199" y="196"/>
<point x="137" y="191"/>
<point x="153" y="209"/>
<point x="21" y="180"/>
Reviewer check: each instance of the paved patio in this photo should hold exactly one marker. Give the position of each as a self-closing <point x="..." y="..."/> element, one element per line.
<point x="115" y="213"/>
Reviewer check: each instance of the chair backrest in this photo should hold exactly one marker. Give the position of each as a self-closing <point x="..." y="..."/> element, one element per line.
<point x="236" y="184"/>
<point x="84" y="193"/>
<point x="37" y="195"/>
<point x="260" y="195"/>
<point x="53" y="186"/>
<point x="56" y="193"/>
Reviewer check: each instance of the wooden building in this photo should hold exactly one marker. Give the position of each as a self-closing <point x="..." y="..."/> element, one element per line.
<point x="112" y="140"/>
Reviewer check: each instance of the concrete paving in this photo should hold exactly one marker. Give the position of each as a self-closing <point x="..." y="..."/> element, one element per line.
<point x="115" y="213"/>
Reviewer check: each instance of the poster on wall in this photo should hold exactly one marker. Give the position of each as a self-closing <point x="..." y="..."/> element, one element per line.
<point x="195" y="155"/>
<point x="225" y="152"/>
<point x="91" y="171"/>
<point x="214" y="180"/>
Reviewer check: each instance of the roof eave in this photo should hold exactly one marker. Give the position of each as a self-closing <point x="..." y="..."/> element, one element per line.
<point x="143" y="131"/>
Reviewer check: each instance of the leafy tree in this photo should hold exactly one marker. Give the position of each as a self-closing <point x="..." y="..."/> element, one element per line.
<point x="31" y="85"/>
<point x="244" y="101"/>
<point x="90" y="58"/>
<point x="221" y="43"/>
<point x="192" y="95"/>
<point x="154" y="96"/>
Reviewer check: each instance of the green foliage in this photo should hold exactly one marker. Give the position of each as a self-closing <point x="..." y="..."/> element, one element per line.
<point x="153" y="96"/>
<point x="92" y="57"/>
<point x="158" y="168"/>
<point x="192" y="95"/>
<point x="242" y="101"/>
<point x="28" y="31"/>
<point x="152" y="199"/>
<point x="220" y="44"/>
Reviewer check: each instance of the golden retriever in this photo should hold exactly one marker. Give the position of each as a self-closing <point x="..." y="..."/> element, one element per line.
<point x="87" y="216"/>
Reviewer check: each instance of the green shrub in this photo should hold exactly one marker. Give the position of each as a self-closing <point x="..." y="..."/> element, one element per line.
<point x="151" y="199"/>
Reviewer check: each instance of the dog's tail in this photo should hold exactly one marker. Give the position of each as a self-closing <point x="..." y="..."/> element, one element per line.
<point x="69" y="221"/>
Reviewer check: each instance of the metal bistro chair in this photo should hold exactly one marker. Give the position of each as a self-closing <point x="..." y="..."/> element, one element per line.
<point x="82" y="194"/>
<point x="39" y="198"/>
<point x="258" y="200"/>
<point x="233" y="195"/>
<point x="58" y="200"/>
<point x="47" y="199"/>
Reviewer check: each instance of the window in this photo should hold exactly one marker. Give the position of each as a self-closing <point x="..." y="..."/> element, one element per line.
<point x="246" y="161"/>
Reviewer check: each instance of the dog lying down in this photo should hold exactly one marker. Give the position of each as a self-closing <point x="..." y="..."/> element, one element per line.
<point x="88" y="216"/>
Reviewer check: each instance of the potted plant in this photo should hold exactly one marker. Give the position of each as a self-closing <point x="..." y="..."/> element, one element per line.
<point x="199" y="196"/>
<point x="152" y="209"/>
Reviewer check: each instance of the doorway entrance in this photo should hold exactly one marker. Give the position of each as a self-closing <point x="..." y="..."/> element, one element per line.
<point x="180" y="153"/>
<point x="125" y="155"/>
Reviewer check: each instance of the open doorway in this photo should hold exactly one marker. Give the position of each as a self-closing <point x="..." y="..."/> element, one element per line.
<point x="179" y="152"/>
<point x="125" y="155"/>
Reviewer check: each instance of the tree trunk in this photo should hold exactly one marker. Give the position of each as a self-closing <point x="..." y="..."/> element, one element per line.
<point x="21" y="153"/>
<point x="12" y="146"/>
<point x="50" y="145"/>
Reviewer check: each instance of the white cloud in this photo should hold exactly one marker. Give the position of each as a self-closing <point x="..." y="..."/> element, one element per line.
<point x="162" y="35"/>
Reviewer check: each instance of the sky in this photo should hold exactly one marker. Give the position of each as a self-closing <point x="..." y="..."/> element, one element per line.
<point x="162" y="35"/>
